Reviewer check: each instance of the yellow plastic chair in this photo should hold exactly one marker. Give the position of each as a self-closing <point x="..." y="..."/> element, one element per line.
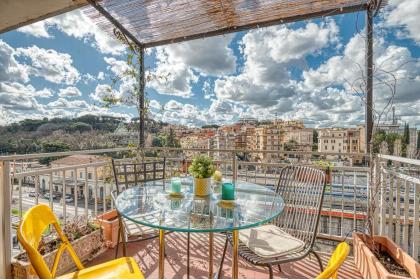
<point x="337" y="259"/>
<point x="35" y="222"/>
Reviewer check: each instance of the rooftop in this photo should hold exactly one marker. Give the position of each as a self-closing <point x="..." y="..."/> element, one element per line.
<point x="78" y="159"/>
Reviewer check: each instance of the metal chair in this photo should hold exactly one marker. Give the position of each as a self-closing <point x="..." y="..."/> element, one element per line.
<point x="126" y="175"/>
<point x="34" y="223"/>
<point x="302" y="189"/>
<point x="337" y="259"/>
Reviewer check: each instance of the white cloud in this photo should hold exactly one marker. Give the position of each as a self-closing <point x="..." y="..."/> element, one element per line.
<point x="86" y="78"/>
<point x="208" y="90"/>
<point x="117" y="67"/>
<point x="404" y="14"/>
<point x="155" y="105"/>
<point x="53" y="66"/>
<point x="63" y="103"/>
<point x="101" y="76"/>
<point x="18" y="97"/>
<point x="38" y="29"/>
<point x="10" y="69"/>
<point x="209" y="56"/>
<point x="79" y="26"/>
<point x="101" y="91"/>
<point x="69" y="92"/>
<point x="172" y="77"/>
<point x="179" y="65"/>
<point x="266" y="80"/>
<point x="44" y="93"/>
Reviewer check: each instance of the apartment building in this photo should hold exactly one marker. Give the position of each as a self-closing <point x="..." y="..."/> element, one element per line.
<point x="267" y="138"/>
<point x="301" y="138"/>
<point x="75" y="178"/>
<point x="339" y="140"/>
<point x="200" y="141"/>
<point x="343" y="140"/>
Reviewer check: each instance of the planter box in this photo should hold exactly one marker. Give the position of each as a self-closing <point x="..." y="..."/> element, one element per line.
<point x="86" y="247"/>
<point x="370" y="267"/>
<point x="110" y="226"/>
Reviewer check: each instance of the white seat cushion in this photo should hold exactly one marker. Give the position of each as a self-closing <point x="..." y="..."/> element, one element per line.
<point x="270" y="241"/>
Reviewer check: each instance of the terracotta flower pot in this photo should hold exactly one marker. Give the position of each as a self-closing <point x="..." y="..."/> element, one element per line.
<point x="202" y="186"/>
<point x="110" y="226"/>
<point x="86" y="248"/>
<point x="371" y="268"/>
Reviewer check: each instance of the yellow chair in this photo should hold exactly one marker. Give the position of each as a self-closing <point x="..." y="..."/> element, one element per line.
<point x="29" y="233"/>
<point x="336" y="260"/>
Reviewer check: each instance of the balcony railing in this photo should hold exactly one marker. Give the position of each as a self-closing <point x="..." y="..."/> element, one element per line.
<point x="345" y="203"/>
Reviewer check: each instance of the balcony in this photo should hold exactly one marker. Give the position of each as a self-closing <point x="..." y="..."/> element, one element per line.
<point x="344" y="208"/>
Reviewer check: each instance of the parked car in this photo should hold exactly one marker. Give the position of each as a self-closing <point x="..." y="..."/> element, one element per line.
<point x="68" y="198"/>
<point x="32" y="194"/>
<point x="47" y="195"/>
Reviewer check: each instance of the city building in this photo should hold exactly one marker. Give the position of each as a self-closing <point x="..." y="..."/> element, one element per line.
<point x="342" y="140"/>
<point x="77" y="177"/>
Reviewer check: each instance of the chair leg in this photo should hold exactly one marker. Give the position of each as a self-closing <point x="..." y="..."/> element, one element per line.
<point x="188" y="255"/>
<point x="270" y="269"/>
<point x="318" y="259"/>
<point x="223" y="259"/>
<point x="118" y="242"/>
<point x="124" y="246"/>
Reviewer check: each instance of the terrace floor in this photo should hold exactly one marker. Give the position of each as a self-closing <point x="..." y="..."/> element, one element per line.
<point x="146" y="254"/>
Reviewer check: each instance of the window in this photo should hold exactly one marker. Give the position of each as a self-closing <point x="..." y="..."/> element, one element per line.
<point x="81" y="175"/>
<point x="71" y="174"/>
<point x="326" y="147"/>
<point x="89" y="175"/>
<point x="339" y="144"/>
<point x="332" y="147"/>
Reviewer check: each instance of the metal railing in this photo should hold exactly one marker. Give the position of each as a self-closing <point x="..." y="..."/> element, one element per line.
<point x="398" y="199"/>
<point x="344" y="210"/>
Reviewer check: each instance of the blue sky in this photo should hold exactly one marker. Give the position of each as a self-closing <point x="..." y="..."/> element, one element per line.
<point x="310" y="70"/>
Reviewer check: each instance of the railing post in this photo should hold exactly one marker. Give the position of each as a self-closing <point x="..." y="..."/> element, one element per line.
<point x="5" y="228"/>
<point x="234" y="167"/>
<point x="373" y="194"/>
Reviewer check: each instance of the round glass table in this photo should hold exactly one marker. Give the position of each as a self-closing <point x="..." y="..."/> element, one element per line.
<point x="153" y="205"/>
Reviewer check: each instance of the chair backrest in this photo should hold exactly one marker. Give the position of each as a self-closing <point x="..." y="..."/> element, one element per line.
<point x="337" y="259"/>
<point x="31" y="229"/>
<point x="127" y="174"/>
<point x="302" y="189"/>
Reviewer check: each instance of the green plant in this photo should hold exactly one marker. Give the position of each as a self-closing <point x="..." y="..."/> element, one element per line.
<point x="202" y="167"/>
<point x="324" y="164"/>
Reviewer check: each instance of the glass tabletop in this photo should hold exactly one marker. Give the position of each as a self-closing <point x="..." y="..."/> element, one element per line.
<point x="152" y="205"/>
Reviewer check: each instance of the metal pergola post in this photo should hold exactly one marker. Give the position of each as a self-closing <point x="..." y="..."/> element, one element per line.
<point x="369" y="78"/>
<point x="141" y="98"/>
<point x="129" y="35"/>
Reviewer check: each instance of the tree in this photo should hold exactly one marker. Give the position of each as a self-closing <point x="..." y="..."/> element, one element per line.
<point x="55" y="146"/>
<point x="378" y="138"/>
<point x="172" y="141"/>
<point x="315" y="140"/>
<point x="406" y="138"/>
<point x="79" y="127"/>
<point x="418" y="140"/>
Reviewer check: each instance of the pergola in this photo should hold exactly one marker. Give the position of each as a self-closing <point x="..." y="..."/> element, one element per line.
<point x="150" y="23"/>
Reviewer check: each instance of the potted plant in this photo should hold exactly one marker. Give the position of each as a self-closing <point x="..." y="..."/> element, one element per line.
<point x="378" y="257"/>
<point x="202" y="168"/>
<point x="110" y="226"/>
<point x="85" y="237"/>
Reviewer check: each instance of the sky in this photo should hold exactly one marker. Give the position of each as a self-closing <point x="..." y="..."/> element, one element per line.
<point x="309" y="70"/>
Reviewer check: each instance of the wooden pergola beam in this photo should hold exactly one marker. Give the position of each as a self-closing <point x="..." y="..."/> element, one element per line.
<point x="246" y="27"/>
